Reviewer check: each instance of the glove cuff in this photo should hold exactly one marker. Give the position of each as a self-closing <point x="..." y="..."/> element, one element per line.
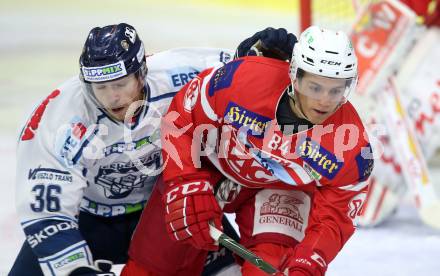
<point x="101" y="268"/>
<point x="306" y="261"/>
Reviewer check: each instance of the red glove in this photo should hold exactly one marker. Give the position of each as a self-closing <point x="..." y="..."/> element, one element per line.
<point x="190" y="206"/>
<point x="305" y="262"/>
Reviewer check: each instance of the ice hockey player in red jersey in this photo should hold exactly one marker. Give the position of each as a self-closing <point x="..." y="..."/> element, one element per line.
<point x="90" y="155"/>
<point x="278" y="144"/>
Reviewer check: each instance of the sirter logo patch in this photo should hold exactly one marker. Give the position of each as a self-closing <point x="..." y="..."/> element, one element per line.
<point x="104" y="73"/>
<point x="239" y="116"/>
<point x="323" y="161"/>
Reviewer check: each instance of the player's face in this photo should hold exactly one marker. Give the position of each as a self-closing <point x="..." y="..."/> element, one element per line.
<point x="116" y="96"/>
<point x="320" y="96"/>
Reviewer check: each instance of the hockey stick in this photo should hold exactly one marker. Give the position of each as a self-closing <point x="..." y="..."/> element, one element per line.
<point x="241" y="251"/>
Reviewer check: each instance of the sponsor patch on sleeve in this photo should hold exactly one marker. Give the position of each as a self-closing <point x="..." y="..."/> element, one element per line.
<point x="49" y="174"/>
<point x="365" y="163"/>
<point x="239" y="117"/>
<point x="69" y="140"/>
<point x="179" y="76"/>
<point x="323" y="161"/>
<point x="223" y="77"/>
<point x="225" y="57"/>
<point x="191" y="94"/>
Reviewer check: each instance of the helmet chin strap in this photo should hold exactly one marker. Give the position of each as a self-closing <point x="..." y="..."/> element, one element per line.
<point x="295" y="103"/>
<point x="296" y="107"/>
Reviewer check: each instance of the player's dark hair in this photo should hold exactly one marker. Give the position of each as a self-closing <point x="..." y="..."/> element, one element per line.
<point x="300" y="73"/>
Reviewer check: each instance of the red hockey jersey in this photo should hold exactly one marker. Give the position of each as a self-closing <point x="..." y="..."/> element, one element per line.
<point x="227" y="117"/>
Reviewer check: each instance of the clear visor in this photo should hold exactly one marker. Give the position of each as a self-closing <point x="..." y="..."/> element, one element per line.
<point x="332" y="90"/>
<point x="87" y="87"/>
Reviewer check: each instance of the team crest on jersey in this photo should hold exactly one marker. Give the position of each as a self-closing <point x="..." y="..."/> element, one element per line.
<point x="281" y="168"/>
<point x="239" y="117"/>
<point x="321" y="160"/>
<point x="240" y="162"/>
<point x="191" y="94"/>
<point x="121" y="178"/>
<point x="223" y="76"/>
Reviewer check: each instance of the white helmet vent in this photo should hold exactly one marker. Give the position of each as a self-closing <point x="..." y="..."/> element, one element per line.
<point x="309" y="61"/>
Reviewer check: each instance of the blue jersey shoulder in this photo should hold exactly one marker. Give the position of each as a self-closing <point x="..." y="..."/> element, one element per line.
<point x="223" y="76"/>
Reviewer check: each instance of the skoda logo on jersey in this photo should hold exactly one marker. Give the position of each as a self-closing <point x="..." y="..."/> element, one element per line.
<point x="104" y="73"/>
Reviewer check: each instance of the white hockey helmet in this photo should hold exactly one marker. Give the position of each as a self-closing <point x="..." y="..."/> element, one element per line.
<point x="325" y="53"/>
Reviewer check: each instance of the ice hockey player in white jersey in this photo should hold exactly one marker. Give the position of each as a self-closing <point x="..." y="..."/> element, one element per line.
<point x="92" y="146"/>
<point x="89" y="154"/>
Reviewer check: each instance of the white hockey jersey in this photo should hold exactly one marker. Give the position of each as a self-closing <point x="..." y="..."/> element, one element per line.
<point x="72" y="156"/>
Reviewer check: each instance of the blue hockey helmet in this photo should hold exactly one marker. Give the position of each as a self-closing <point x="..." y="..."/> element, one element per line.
<point x="112" y="52"/>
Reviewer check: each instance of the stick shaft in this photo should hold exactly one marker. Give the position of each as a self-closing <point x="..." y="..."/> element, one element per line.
<point x="241" y="251"/>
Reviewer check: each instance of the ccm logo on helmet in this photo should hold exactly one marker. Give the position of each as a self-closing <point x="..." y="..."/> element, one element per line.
<point x="329" y="62"/>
